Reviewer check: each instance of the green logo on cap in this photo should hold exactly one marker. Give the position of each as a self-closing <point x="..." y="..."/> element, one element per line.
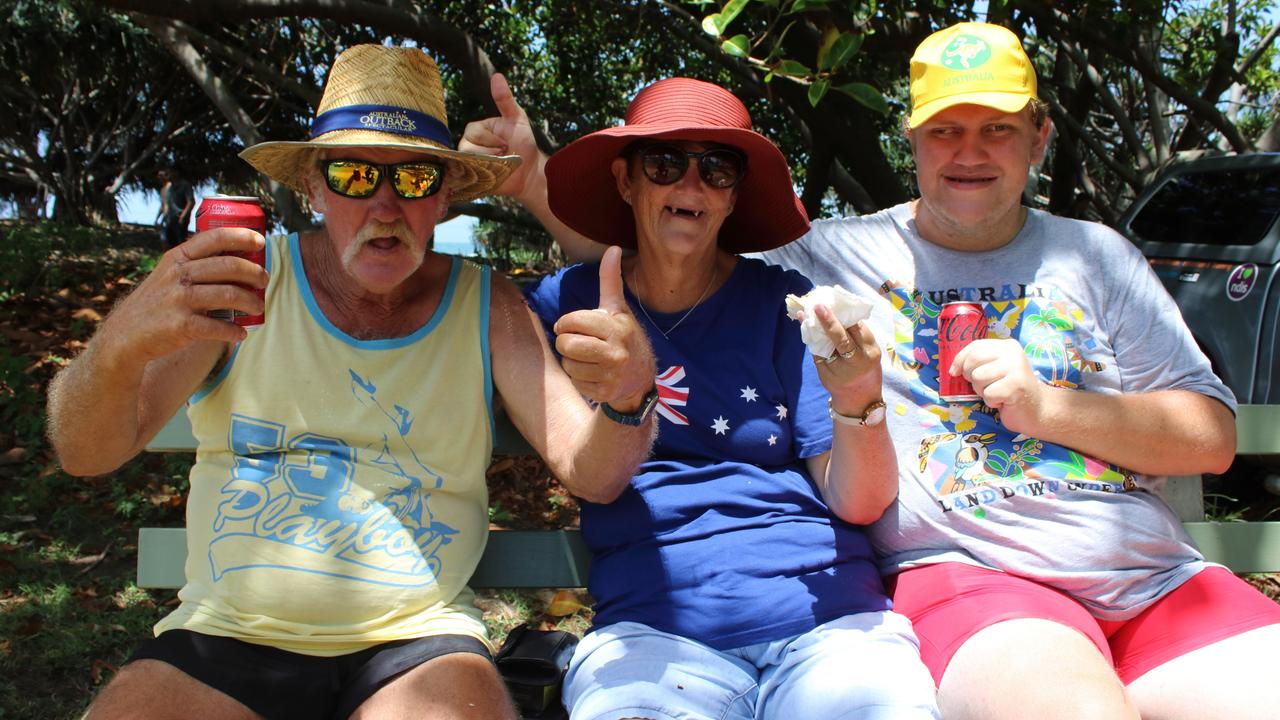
<point x="966" y="52"/>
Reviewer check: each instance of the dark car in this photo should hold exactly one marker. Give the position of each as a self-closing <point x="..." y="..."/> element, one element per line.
<point x="1210" y="228"/>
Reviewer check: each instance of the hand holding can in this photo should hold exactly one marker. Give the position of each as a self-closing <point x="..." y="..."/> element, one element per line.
<point x="236" y="211"/>
<point x="959" y="323"/>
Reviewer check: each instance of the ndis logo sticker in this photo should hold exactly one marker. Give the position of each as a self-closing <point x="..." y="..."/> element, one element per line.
<point x="1241" y="280"/>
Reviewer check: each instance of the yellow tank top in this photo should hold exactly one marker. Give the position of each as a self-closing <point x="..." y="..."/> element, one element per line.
<point x="338" y="498"/>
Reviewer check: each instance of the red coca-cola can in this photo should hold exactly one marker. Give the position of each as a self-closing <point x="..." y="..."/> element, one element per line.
<point x="218" y="211"/>
<point x="959" y="324"/>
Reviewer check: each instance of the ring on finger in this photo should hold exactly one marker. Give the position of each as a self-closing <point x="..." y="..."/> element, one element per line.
<point x="826" y="360"/>
<point x="846" y="355"/>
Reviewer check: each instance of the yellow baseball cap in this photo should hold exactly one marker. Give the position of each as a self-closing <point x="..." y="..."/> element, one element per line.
<point x="970" y="63"/>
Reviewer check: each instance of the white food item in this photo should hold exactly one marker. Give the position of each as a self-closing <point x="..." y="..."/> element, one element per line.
<point x="848" y="308"/>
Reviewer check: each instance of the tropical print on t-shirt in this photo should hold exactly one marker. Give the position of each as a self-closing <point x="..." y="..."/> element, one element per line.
<point x="970" y="459"/>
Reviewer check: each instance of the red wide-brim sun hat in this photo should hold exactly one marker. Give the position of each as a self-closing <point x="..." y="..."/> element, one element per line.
<point x="583" y="194"/>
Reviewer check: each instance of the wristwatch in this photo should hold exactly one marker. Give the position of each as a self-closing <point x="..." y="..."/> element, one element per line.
<point x="638" y="417"/>
<point x="872" y="416"/>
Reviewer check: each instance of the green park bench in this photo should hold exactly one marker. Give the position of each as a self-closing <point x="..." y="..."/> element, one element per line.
<point x="559" y="559"/>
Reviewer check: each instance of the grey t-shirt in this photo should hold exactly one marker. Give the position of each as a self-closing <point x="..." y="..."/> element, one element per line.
<point x="1090" y="315"/>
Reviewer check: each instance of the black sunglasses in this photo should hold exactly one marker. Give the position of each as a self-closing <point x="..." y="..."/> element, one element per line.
<point x="718" y="167"/>
<point x="360" y="179"/>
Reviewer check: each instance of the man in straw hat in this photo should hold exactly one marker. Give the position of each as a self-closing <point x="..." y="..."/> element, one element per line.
<point x="338" y="502"/>
<point x="1041" y="570"/>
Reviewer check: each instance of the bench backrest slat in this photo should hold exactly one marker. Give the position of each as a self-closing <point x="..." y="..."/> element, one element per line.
<point x="559" y="558"/>
<point x="512" y="559"/>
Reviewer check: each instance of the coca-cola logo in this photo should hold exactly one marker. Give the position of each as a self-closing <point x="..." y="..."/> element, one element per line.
<point x="1241" y="281"/>
<point x="964" y="329"/>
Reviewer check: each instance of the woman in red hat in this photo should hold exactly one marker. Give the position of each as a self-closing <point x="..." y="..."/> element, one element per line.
<point x="731" y="577"/>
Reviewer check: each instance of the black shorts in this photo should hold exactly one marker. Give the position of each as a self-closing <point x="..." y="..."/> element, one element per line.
<point x="280" y="685"/>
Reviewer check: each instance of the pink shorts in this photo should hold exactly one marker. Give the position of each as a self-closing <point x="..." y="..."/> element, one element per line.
<point x="949" y="602"/>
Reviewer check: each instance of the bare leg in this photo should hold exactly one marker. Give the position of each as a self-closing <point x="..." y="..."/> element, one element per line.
<point x="1232" y="678"/>
<point x="1030" y="668"/>
<point x="153" y="690"/>
<point x="458" y="686"/>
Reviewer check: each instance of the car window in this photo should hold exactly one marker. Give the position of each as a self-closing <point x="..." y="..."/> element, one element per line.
<point x="1219" y="207"/>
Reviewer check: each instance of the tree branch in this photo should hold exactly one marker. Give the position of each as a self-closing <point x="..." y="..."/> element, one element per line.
<point x="1048" y="17"/>
<point x="446" y="41"/>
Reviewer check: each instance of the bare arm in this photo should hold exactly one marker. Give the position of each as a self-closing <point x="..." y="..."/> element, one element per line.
<point x="592" y="455"/>
<point x="510" y="133"/>
<point x="1167" y="432"/>
<point x="151" y="353"/>
<point x="185" y="215"/>
<point x="859" y="477"/>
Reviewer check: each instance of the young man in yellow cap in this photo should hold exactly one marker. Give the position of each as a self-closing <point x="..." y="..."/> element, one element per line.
<point x="1043" y="573"/>
<point x="338" y="503"/>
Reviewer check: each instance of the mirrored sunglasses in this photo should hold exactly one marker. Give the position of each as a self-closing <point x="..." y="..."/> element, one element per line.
<point x="718" y="167"/>
<point x="359" y="179"/>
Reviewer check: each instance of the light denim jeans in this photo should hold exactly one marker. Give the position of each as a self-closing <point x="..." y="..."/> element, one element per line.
<point x="865" y="667"/>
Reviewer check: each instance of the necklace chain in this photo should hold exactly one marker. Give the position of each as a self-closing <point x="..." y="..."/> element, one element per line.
<point x="635" y="280"/>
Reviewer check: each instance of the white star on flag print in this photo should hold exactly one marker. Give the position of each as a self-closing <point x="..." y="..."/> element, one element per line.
<point x="670" y="396"/>
<point x="721" y="425"/>
<point x="782" y="411"/>
<point x="749" y="394"/>
<point x="773" y="439"/>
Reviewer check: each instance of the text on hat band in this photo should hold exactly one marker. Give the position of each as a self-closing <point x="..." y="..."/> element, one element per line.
<point x="382" y="118"/>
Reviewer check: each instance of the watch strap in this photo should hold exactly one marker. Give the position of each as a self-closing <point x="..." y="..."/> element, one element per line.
<point x="856" y="420"/>
<point x="636" y="418"/>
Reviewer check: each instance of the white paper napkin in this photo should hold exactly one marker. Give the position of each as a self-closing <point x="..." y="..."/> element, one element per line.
<point x="849" y="309"/>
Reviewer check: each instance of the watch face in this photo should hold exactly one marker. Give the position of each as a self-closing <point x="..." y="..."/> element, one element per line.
<point x="875" y="416"/>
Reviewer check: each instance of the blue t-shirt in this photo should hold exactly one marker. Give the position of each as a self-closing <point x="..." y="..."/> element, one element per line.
<point x="721" y="535"/>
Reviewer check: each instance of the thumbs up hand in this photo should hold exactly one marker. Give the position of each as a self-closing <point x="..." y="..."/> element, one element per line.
<point x="507" y="134"/>
<point x="605" y="351"/>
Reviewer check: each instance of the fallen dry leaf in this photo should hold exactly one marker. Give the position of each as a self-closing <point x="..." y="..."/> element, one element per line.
<point x="501" y="465"/>
<point x="100" y="667"/>
<point x="564" y="603"/>
<point x="88" y="314"/>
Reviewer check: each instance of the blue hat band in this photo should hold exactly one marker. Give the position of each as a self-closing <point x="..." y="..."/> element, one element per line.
<point x="382" y="118"/>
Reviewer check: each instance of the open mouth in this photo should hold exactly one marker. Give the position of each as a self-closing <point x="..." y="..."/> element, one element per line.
<point x="384" y="243"/>
<point x="684" y="212"/>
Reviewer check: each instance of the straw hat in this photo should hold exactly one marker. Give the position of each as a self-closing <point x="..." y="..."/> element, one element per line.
<point x="582" y="193"/>
<point x="970" y="64"/>
<point x="382" y="97"/>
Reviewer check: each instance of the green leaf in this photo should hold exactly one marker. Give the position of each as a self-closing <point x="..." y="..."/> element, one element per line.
<point x="803" y="5"/>
<point x="840" y="51"/>
<point x="1248" y="273"/>
<point x="793" y="68"/>
<point x="866" y="95"/>
<point x="737" y="46"/>
<point x="817" y="90"/>
<point x="731" y="11"/>
<point x="711" y="25"/>
<point x="829" y="37"/>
